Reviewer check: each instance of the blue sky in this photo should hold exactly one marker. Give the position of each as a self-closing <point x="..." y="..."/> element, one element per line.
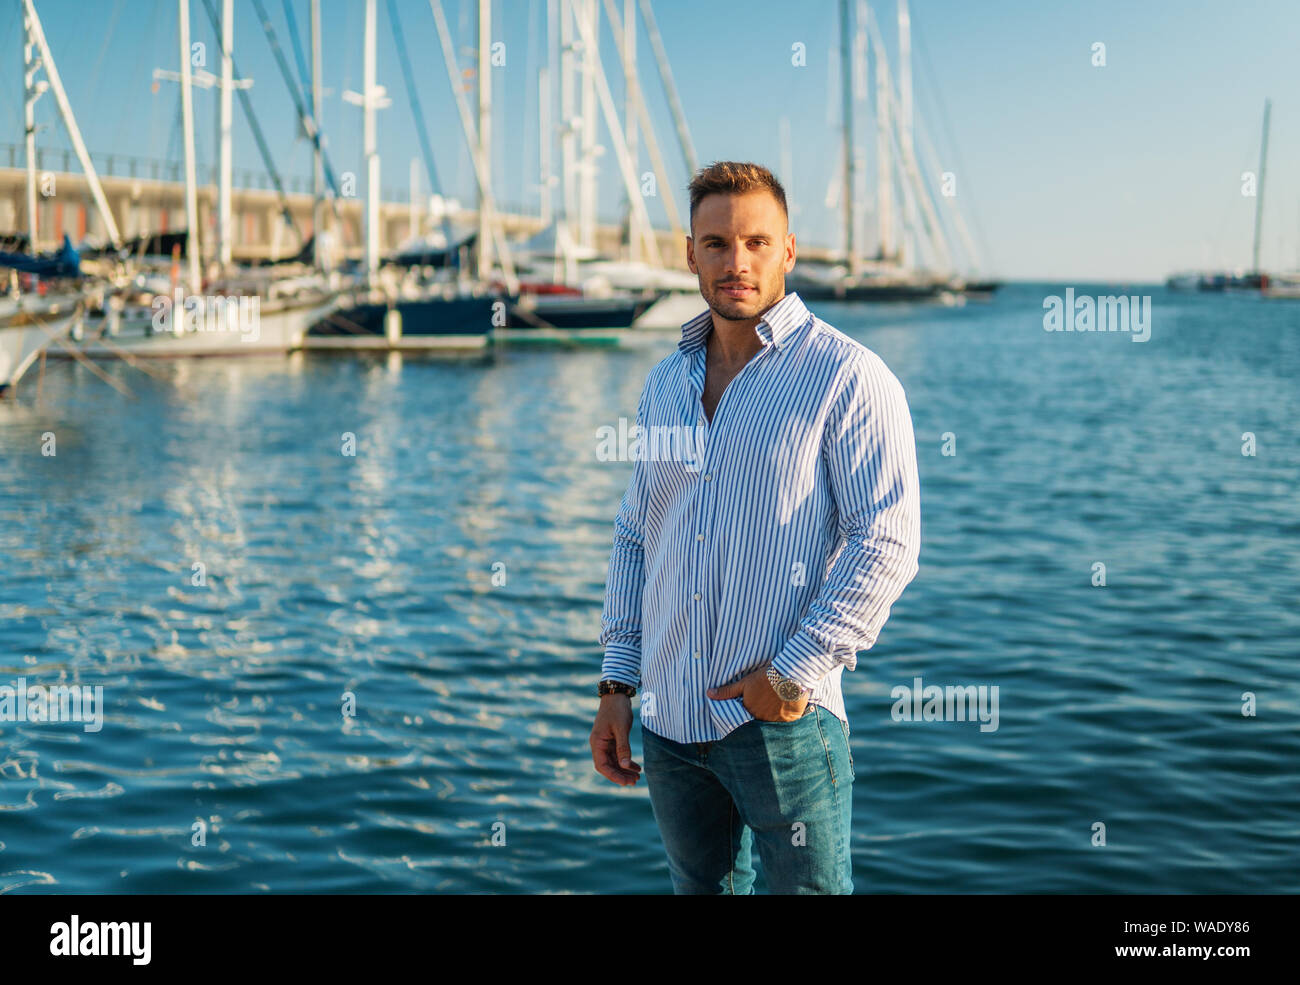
<point x="1121" y="173"/>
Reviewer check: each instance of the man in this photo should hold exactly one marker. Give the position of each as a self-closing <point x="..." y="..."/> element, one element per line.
<point x="746" y="575"/>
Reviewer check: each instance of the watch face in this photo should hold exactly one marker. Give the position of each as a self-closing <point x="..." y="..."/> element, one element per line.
<point x="786" y="690"/>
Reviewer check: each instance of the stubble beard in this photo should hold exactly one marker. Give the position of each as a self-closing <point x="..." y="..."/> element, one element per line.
<point x="734" y="310"/>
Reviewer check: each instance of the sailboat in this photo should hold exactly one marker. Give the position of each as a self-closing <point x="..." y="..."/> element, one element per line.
<point x="1281" y="286"/>
<point x="886" y="276"/>
<point x="243" y="310"/>
<point x="32" y="320"/>
<point x="572" y="283"/>
<point x="397" y="306"/>
<point x="1253" y="280"/>
<point x="29" y="324"/>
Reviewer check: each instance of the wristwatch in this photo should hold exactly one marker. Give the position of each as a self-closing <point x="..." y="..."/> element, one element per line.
<point x="785" y="688"/>
<point x="615" y="687"/>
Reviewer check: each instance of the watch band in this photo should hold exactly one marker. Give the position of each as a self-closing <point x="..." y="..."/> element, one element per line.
<point x="787" y="689"/>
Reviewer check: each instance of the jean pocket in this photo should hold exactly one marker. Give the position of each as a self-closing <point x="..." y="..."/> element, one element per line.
<point x="808" y="712"/>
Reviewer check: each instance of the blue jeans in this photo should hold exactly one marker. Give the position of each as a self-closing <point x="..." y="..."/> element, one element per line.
<point x="786" y="785"/>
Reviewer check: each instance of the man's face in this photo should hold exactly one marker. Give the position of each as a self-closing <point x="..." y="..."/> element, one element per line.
<point x="741" y="250"/>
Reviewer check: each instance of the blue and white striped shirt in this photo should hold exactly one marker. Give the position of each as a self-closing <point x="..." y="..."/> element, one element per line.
<point x="784" y="534"/>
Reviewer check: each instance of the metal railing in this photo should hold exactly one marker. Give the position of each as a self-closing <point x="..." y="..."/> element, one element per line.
<point x="156" y="169"/>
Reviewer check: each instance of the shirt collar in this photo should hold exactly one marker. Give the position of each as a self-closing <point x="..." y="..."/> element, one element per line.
<point x="776" y="326"/>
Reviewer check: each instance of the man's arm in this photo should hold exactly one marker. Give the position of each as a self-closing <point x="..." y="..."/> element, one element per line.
<point x="870" y="452"/>
<point x="620" y="622"/>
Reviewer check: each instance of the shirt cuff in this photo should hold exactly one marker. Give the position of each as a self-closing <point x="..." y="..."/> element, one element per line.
<point x="805" y="660"/>
<point x="622" y="663"/>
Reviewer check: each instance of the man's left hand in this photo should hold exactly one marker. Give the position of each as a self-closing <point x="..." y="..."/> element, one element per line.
<point x="760" y="700"/>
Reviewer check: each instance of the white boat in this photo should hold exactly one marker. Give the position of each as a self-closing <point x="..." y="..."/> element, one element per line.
<point x="679" y="290"/>
<point x="550" y="257"/>
<point x="1282" y="286"/>
<point x="28" y="325"/>
<point x="271" y="326"/>
<point x="215" y="325"/>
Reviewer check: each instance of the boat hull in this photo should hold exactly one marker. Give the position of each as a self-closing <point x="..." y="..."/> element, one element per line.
<point x="26" y="332"/>
<point x="426" y="324"/>
<point x="570" y="320"/>
<point x="280" y="327"/>
<point x="672" y="311"/>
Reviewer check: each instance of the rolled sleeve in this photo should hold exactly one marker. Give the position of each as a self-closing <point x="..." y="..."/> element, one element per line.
<point x="869" y="449"/>
<point x="620" y="624"/>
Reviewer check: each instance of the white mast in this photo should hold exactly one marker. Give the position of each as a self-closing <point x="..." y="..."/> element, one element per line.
<point x="905" y="78"/>
<point x="371" y="98"/>
<point x="670" y="89"/>
<point x="318" y="170"/>
<point x="629" y="117"/>
<point x="371" y="147"/>
<point x="846" y="92"/>
<point x="544" y="143"/>
<point x="412" y="211"/>
<point x="481" y="174"/>
<point x="569" y="125"/>
<point x="587" y="169"/>
<point x="187" y="127"/>
<point x="544" y="107"/>
<point x="224" y="228"/>
<point x="646" y="127"/>
<point x="33" y="91"/>
<point x="1259" y="192"/>
<point x="884" y="191"/>
<point x="912" y="187"/>
<point x="36" y="36"/>
<point x="588" y="36"/>
<point x="484" y="130"/>
<point x="905" y="124"/>
<point x="226" y="84"/>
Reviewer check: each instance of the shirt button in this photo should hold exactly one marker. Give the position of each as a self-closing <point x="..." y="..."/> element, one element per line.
<point x="697" y="596"/>
<point x="708" y="476"/>
<point x="697" y="654"/>
<point x="699" y="536"/>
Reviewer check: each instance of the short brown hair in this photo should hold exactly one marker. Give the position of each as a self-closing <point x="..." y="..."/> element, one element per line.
<point x="734" y="178"/>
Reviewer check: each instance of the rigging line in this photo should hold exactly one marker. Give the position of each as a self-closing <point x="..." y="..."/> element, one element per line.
<point x="253" y="125"/>
<point x="923" y="46"/>
<point x="1250" y="163"/>
<point x="305" y="118"/>
<point x="103" y="49"/>
<point x="174" y="136"/>
<point x="1229" y="207"/>
<point x="530" y="119"/>
<point x="413" y="98"/>
<point x="118" y="352"/>
<point x="304" y="74"/>
<point x="51" y="336"/>
<point x="141" y="65"/>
